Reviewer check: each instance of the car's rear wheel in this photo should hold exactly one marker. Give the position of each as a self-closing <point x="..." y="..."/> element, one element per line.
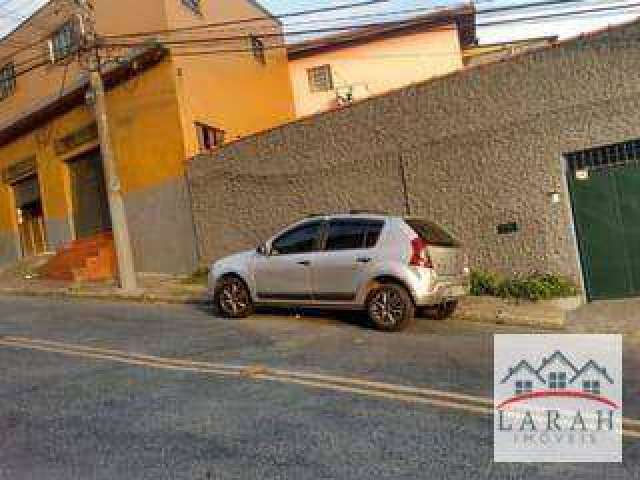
<point x="390" y="307"/>
<point x="232" y="298"/>
<point x="445" y="310"/>
<point x="441" y="311"/>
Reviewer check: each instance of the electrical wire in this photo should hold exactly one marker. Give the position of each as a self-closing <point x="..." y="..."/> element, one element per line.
<point x="298" y="13"/>
<point x="413" y="11"/>
<point x="356" y="27"/>
<point x="191" y="42"/>
<point x="434" y="9"/>
<point x="28" y="46"/>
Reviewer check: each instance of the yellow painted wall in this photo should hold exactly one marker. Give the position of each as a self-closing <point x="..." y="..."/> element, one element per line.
<point x="146" y="133"/>
<point x="230" y="91"/>
<point x="152" y="116"/>
<point x="32" y="89"/>
<point x="377" y="66"/>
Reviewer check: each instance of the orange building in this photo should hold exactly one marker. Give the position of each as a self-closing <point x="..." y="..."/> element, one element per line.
<point x="166" y="103"/>
<point x="331" y="71"/>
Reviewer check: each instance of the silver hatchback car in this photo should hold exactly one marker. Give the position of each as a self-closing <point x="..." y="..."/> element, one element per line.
<point x="386" y="265"/>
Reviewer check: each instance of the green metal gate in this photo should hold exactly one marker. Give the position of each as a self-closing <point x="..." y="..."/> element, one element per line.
<point x="605" y="194"/>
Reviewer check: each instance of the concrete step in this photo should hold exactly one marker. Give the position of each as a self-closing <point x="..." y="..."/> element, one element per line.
<point x="85" y="260"/>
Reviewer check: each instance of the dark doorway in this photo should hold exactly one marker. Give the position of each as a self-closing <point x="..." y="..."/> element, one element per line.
<point x="30" y="216"/>
<point x="90" y="205"/>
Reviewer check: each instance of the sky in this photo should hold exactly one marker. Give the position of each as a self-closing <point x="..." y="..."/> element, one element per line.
<point x="13" y="11"/>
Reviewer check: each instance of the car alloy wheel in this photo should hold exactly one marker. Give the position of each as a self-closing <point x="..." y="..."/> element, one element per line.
<point x="233" y="298"/>
<point x="390" y="308"/>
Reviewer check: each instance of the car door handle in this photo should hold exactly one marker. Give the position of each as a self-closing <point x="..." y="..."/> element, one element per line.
<point x="306" y="263"/>
<point x="363" y="259"/>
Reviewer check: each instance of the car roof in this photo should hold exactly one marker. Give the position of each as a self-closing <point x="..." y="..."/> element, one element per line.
<point x="372" y="215"/>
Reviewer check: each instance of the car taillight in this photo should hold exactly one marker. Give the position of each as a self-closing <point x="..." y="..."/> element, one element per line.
<point x="419" y="254"/>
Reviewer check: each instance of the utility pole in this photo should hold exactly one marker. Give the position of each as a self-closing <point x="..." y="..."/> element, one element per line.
<point x="122" y="241"/>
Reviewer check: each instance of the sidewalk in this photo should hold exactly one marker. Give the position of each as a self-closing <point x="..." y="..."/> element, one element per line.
<point x="181" y="290"/>
<point x="151" y="289"/>
<point x="549" y="314"/>
<point x="607" y="316"/>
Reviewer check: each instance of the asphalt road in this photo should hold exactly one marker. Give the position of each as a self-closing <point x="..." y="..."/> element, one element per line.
<point x="66" y="415"/>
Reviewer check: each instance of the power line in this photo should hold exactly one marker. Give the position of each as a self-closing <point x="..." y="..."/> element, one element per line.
<point x="363" y="3"/>
<point x="617" y="42"/>
<point x="434" y="9"/>
<point x="25" y="21"/>
<point x="354" y="28"/>
<point x="248" y="50"/>
<point x="298" y="13"/>
<point x="30" y="69"/>
<point x="547" y="16"/>
<point x="26" y="61"/>
<point x="309" y="12"/>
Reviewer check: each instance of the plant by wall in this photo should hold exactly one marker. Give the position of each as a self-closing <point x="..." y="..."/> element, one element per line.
<point x="534" y="287"/>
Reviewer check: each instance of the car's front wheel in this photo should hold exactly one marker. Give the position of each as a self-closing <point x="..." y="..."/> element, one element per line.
<point x="390" y="308"/>
<point x="232" y="298"/>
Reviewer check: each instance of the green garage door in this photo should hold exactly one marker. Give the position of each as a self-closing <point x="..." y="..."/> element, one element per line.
<point x="605" y="194"/>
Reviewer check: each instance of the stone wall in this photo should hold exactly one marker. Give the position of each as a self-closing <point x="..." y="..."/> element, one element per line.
<point x="478" y="148"/>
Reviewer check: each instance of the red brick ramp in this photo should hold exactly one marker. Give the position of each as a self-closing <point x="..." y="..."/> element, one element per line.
<point x="89" y="259"/>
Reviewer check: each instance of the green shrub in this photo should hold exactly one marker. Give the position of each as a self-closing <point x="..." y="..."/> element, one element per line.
<point x="534" y="287"/>
<point x="483" y="283"/>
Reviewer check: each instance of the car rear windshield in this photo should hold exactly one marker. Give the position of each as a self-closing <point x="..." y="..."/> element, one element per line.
<point x="431" y="233"/>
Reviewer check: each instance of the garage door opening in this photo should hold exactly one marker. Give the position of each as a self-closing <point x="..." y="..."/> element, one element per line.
<point x="604" y="184"/>
<point x="90" y="205"/>
<point x="30" y="216"/>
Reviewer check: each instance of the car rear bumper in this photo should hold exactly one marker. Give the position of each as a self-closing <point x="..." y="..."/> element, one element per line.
<point x="443" y="291"/>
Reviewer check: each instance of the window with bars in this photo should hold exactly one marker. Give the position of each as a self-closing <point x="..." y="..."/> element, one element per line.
<point x="524" y="386"/>
<point x="320" y="78"/>
<point x="257" y="49"/>
<point x="591" y="386"/>
<point x="209" y="138"/>
<point x="193" y="5"/>
<point x="618" y="154"/>
<point x="7" y="80"/>
<point x="65" y="41"/>
<point x="557" y="380"/>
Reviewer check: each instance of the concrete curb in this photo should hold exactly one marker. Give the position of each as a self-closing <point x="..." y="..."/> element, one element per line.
<point x="490" y="310"/>
<point x="143" y="297"/>
<point x="515" y="320"/>
<point x="550" y="314"/>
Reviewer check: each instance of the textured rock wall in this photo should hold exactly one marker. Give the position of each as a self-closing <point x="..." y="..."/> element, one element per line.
<point x="478" y="148"/>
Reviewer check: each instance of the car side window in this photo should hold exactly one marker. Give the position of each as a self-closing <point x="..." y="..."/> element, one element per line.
<point x="302" y="239"/>
<point x="345" y="235"/>
<point x="352" y="234"/>
<point x="374" y="229"/>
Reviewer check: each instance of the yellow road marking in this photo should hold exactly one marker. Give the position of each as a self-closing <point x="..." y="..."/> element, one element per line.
<point x="439" y="398"/>
<point x="253" y="370"/>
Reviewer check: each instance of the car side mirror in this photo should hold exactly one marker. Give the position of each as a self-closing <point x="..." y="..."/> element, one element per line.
<point x="263" y="250"/>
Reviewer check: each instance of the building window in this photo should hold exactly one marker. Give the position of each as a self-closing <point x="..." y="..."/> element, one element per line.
<point x="209" y="138"/>
<point x="320" y="78"/>
<point x="558" y="380"/>
<point x="7" y="80"/>
<point x="193" y="5"/>
<point x="257" y="48"/>
<point x="591" y="386"/>
<point x="64" y="41"/>
<point x="524" y="386"/>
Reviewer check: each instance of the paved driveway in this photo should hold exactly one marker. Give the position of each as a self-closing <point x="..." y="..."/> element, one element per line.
<point x="72" y="413"/>
<point x="613" y="316"/>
